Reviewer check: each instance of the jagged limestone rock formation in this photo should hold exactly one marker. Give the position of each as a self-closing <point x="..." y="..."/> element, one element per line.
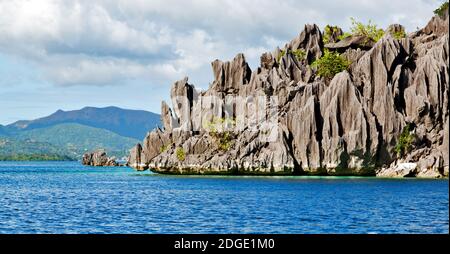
<point x="287" y="120"/>
<point x="351" y="42"/>
<point x="99" y="158"/>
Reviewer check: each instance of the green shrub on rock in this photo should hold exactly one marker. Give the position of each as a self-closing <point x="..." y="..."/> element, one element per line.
<point x="399" y="34"/>
<point x="330" y="64"/>
<point x="164" y="148"/>
<point x="397" y="31"/>
<point x="370" y="30"/>
<point x="282" y="53"/>
<point x="328" y="33"/>
<point x="442" y="9"/>
<point x="344" y="35"/>
<point x="181" y="156"/>
<point x="218" y="129"/>
<point x="300" y="54"/>
<point x="405" y="141"/>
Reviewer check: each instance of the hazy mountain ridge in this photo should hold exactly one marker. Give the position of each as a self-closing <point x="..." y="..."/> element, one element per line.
<point x="72" y="133"/>
<point x="124" y="122"/>
<point x="77" y="139"/>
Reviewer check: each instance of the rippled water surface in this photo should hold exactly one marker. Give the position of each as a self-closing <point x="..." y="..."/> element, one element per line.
<point x="64" y="197"/>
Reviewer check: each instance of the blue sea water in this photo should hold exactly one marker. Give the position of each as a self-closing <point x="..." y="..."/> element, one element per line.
<point x="65" y="197"/>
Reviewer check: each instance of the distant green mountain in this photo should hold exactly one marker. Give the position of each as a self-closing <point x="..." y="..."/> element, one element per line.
<point x="13" y="149"/>
<point x="124" y="122"/>
<point x="3" y="131"/>
<point x="76" y="139"/>
<point x="69" y="134"/>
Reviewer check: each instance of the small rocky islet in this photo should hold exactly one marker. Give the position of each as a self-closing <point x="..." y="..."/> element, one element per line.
<point x="385" y="115"/>
<point x="99" y="158"/>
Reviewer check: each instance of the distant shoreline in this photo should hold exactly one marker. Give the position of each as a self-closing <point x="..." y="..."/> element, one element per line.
<point x="35" y="157"/>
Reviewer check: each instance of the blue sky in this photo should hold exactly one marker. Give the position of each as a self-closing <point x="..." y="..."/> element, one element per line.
<point x="127" y="53"/>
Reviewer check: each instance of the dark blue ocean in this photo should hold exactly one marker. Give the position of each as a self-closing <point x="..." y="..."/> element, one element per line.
<point x="65" y="197"/>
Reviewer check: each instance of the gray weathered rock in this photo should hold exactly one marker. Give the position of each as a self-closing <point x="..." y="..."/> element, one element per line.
<point x="99" y="158"/>
<point x="403" y="169"/>
<point x="229" y="77"/>
<point x="373" y="74"/>
<point x="349" y="126"/>
<point x="310" y="40"/>
<point x="437" y="26"/>
<point x="349" y="133"/>
<point x="351" y="42"/>
<point x="135" y="158"/>
<point x="306" y="133"/>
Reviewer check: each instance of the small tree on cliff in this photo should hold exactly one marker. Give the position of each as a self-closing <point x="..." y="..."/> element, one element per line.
<point x="441" y="11"/>
<point x="218" y="129"/>
<point x="328" y="33"/>
<point x="405" y="141"/>
<point x="181" y="156"/>
<point x="398" y="34"/>
<point x="330" y="64"/>
<point x="299" y="54"/>
<point x="370" y="30"/>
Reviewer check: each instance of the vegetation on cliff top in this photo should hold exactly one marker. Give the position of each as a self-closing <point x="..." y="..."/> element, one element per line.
<point x="328" y="32"/>
<point x="398" y="34"/>
<point x="369" y="30"/>
<point x="330" y="64"/>
<point x="442" y="9"/>
<point x="299" y="54"/>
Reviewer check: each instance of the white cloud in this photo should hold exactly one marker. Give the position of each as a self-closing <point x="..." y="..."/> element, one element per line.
<point x="196" y="49"/>
<point x="111" y="71"/>
<point x="74" y="27"/>
<point x="109" y="42"/>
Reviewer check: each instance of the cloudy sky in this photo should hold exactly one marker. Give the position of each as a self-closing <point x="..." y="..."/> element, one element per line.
<point x="127" y="53"/>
